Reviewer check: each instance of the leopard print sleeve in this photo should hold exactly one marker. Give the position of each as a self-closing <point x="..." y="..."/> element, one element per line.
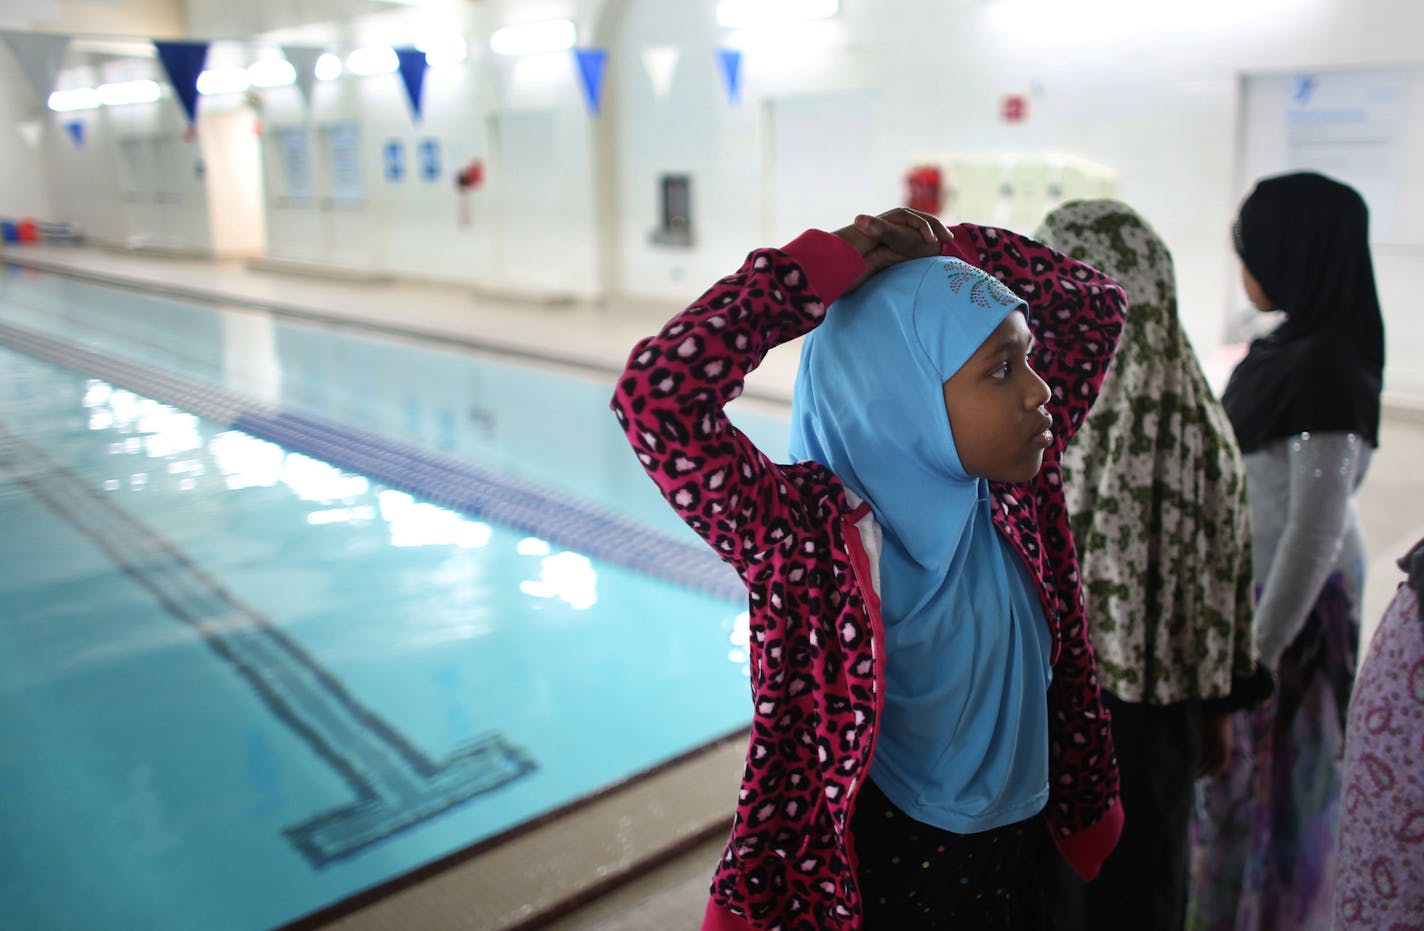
<point x="670" y="398"/>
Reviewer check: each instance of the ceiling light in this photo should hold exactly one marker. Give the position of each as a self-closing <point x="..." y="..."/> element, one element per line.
<point x="444" y="50"/>
<point x="223" y="81"/>
<point x="328" y="67"/>
<point x="76" y="98"/>
<point x="271" y="72"/>
<point x="553" y="35"/>
<point x="124" y="92"/>
<point x="375" y="59"/>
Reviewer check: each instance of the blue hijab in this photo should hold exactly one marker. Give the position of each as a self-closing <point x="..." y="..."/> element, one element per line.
<point x="964" y="734"/>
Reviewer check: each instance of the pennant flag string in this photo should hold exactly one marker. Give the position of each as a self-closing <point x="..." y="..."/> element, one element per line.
<point x="412" y="71"/>
<point x="303" y="60"/>
<point x="183" y="62"/>
<point x="730" y="60"/>
<point x="30" y="131"/>
<point x="661" y="62"/>
<point x="40" y="57"/>
<point x="591" y="62"/>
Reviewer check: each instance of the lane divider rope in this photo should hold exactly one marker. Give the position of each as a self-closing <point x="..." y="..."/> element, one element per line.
<point x="447" y="481"/>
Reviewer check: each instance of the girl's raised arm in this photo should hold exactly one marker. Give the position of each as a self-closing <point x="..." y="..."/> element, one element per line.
<point x="671" y="395"/>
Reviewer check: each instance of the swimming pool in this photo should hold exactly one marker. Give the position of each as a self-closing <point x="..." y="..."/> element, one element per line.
<point x="243" y="682"/>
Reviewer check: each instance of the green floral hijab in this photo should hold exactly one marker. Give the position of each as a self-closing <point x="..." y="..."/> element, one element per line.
<point x="1155" y="486"/>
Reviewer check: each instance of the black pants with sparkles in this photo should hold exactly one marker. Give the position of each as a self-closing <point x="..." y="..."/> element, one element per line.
<point x="914" y="877"/>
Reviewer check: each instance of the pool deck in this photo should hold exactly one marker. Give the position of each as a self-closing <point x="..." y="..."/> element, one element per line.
<point x="592" y="337"/>
<point x="639" y="856"/>
<point x="566" y="866"/>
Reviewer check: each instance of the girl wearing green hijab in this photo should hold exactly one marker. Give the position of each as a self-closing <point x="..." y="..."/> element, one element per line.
<point x="1156" y="490"/>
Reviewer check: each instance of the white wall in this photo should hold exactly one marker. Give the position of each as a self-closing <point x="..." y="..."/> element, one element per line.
<point x="229" y="143"/>
<point x="24" y="191"/>
<point x="137" y="179"/>
<point x="693" y="131"/>
<point x="528" y="226"/>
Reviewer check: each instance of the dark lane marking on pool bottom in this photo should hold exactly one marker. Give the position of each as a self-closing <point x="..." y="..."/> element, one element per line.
<point x="397" y="787"/>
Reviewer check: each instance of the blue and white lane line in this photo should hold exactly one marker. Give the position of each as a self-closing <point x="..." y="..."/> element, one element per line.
<point x="560" y="518"/>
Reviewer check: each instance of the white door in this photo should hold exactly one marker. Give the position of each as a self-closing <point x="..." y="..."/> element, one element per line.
<point x="232" y="158"/>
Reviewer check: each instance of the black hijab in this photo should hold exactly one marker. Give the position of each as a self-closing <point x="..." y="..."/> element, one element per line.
<point x="1304" y="238"/>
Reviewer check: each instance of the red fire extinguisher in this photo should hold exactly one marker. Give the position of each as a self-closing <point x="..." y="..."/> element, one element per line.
<point x="924" y="185"/>
<point x="468" y="179"/>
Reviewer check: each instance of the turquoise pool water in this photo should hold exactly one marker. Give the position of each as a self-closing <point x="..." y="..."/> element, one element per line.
<point x="242" y="683"/>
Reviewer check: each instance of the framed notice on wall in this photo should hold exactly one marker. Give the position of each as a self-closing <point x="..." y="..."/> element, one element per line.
<point x="343" y="162"/>
<point x="294" y="163"/>
<point x="1356" y="125"/>
<point x="136" y="167"/>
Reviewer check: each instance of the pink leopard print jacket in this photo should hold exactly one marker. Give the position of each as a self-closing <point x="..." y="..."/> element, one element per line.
<point x="795" y="537"/>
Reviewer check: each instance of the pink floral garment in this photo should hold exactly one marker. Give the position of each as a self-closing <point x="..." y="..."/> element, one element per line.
<point x="1380" y="859"/>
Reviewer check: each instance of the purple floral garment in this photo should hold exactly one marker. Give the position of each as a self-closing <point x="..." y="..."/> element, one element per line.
<point x="1379" y="880"/>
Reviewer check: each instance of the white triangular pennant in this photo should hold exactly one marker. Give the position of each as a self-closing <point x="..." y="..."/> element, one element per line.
<point x="303" y="59"/>
<point x="29" y="131"/>
<point x="41" y="56"/>
<point x="661" y="63"/>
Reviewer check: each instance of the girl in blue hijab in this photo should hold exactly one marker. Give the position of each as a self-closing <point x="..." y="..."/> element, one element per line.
<point x="963" y="746"/>
<point x="925" y="707"/>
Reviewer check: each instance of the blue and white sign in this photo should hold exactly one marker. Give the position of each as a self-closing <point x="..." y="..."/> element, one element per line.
<point x="343" y="142"/>
<point x="393" y="160"/>
<point x="429" y="152"/>
<point x="295" y="158"/>
<point x="1354" y="126"/>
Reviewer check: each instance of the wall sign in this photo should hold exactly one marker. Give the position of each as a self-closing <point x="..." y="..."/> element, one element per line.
<point x="393" y="160"/>
<point x="295" y="161"/>
<point x="429" y="157"/>
<point x="343" y="144"/>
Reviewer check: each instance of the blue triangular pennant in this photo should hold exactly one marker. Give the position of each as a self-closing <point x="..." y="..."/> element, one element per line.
<point x="590" y="64"/>
<point x="731" y="61"/>
<point x="412" y="72"/>
<point x="183" y="62"/>
<point x="76" y="131"/>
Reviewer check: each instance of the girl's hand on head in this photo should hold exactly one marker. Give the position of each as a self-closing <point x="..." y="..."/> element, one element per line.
<point x="893" y="237"/>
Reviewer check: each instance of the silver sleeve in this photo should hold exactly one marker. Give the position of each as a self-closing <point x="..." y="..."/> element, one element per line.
<point x="1322" y="469"/>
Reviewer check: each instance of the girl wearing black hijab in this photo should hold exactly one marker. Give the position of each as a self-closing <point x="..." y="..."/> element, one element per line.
<point x="1305" y="407"/>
